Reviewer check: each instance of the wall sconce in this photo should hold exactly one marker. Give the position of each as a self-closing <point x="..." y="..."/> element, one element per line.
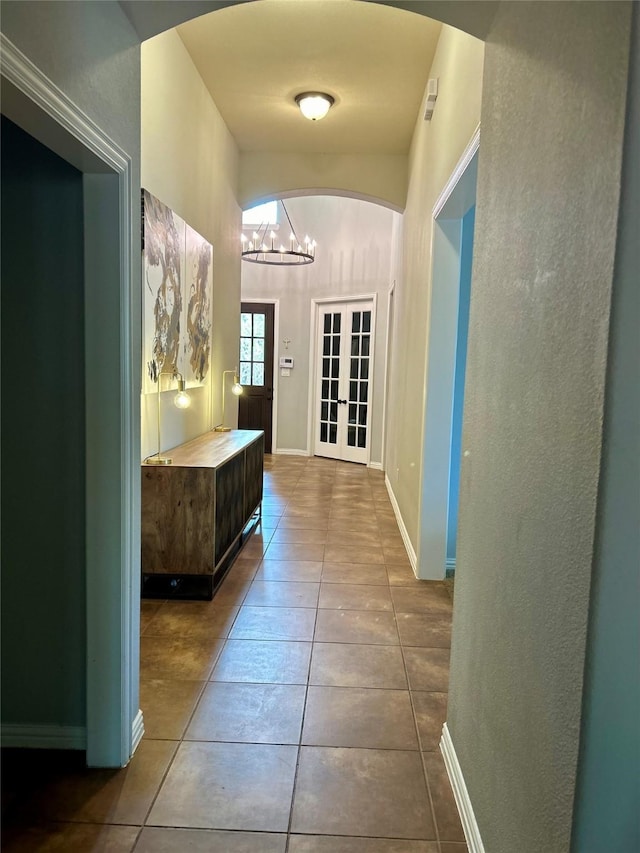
<point x="181" y="401"/>
<point x="236" y="389"/>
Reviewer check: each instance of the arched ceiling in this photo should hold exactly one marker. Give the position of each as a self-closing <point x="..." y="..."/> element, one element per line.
<point x="374" y="60"/>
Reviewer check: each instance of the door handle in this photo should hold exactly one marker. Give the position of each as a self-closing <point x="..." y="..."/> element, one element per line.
<point x="342" y="402"/>
<point x="269" y="393"/>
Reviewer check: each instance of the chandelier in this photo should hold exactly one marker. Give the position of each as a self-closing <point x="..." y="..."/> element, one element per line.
<point x="263" y="248"/>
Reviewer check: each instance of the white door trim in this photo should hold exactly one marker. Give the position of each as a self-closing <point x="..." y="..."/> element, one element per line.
<point x="276" y="375"/>
<point x="316" y="302"/>
<point x="113" y="724"/>
<point x="390" y="337"/>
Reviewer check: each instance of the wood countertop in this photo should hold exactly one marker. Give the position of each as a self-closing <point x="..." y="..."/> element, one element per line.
<point x="210" y="449"/>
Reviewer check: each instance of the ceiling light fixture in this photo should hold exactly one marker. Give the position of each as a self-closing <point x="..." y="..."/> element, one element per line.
<point x="314" y="105"/>
<point x="263" y="249"/>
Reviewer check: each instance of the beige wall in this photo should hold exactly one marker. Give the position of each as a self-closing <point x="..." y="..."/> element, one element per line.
<point x="190" y="162"/>
<point x="436" y="149"/>
<point x="377" y="177"/>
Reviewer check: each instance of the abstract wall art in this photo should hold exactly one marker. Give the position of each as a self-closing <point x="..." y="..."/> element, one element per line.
<point x="178" y="287"/>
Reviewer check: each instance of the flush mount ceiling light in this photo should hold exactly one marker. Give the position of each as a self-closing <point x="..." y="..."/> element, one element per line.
<point x="314" y="105"/>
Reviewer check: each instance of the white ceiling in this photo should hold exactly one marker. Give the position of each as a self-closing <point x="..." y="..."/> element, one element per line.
<point x="374" y="60"/>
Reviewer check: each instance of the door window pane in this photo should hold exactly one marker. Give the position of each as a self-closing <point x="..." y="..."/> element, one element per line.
<point x="336" y="323"/>
<point x="326" y="345"/>
<point x="258" y="349"/>
<point x="323" y="432"/>
<point x="365" y="344"/>
<point x="362" y="437"/>
<point x="355" y="345"/>
<point x="366" y="321"/>
<point x="334" y="390"/>
<point x="245" y="325"/>
<point x="364" y="368"/>
<point x="327" y="323"/>
<point x="245" y="349"/>
<point x="245" y="373"/>
<point x="258" y="325"/>
<point x="355" y="321"/>
<point x="333" y="433"/>
<point x="258" y="374"/>
<point x="351" y="436"/>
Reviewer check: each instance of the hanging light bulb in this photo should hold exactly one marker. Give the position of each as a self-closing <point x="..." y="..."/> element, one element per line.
<point x="182" y="400"/>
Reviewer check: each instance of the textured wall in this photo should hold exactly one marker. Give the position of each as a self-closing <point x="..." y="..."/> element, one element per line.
<point x="608" y="793"/>
<point x="355" y="255"/>
<point x="190" y="162"/>
<point x="548" y="190"/>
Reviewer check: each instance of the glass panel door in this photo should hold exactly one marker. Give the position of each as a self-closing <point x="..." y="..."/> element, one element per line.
<point x="344" y="372"/>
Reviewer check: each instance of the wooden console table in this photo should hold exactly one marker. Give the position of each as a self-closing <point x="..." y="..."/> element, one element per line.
<point x="194" y="512"/>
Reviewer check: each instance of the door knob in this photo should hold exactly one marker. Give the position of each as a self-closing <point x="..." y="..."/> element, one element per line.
<point x="342" y="402"/>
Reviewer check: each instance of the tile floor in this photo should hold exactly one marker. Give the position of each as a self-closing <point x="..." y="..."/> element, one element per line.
<point x="298" y="712"/>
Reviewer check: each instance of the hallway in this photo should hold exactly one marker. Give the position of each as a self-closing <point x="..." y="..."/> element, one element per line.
<point x="298" y="711"/>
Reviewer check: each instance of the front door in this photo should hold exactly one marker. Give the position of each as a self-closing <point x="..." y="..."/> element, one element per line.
<point x="255" y="405"/>
<point x="344" y="358"/>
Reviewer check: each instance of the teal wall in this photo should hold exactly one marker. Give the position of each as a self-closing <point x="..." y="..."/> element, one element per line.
<point x="43" y="447"/>
<point x="607" y="816"/>
<point x="466" y="259"/>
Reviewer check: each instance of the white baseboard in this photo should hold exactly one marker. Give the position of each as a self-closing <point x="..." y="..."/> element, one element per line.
<point x="465" y="809"/>
<point x="137" y="731"/>
<point x="403" y="530"/>
<point x="377" y="466"/>
<point x="32" y="736"/>
<point x="286" y="451"/>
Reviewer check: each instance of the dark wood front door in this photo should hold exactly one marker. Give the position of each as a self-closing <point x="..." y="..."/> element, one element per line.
<point x="255" y="410"/>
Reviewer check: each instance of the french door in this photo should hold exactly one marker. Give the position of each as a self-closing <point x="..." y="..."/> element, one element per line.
<point x="344" y="380"/>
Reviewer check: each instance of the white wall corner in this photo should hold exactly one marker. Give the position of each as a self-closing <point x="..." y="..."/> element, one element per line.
<point x="465" y="808"/>
<point x="403" y="530"/>
<point x="137" y="731"/>
<point x="32" y="736"/>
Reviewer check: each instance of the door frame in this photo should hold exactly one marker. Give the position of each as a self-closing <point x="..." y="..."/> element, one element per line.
<point x="389" y="345"/>
<point x="267" y="300"/>
<point x="447" y="215"/>
<point x="114" y="724"/>
<point x="312" y="404"/>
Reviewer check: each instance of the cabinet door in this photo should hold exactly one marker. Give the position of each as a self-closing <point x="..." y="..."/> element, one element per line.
<point x="253" y="476"/>
<point x="229" y="503"/>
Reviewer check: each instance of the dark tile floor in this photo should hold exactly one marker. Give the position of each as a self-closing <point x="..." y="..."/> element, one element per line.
<point x="298" y="711"/>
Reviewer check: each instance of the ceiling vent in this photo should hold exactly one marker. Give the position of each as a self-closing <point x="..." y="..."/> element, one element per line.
<point x="432" y="95"/>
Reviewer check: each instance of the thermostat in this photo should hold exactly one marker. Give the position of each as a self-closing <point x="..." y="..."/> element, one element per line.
<point x="286" y="361"/>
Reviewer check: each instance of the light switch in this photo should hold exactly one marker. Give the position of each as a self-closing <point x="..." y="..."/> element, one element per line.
<point x="285" y="371"/>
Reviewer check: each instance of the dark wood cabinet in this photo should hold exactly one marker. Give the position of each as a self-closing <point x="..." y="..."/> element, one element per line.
<point x="194" y="511"/>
